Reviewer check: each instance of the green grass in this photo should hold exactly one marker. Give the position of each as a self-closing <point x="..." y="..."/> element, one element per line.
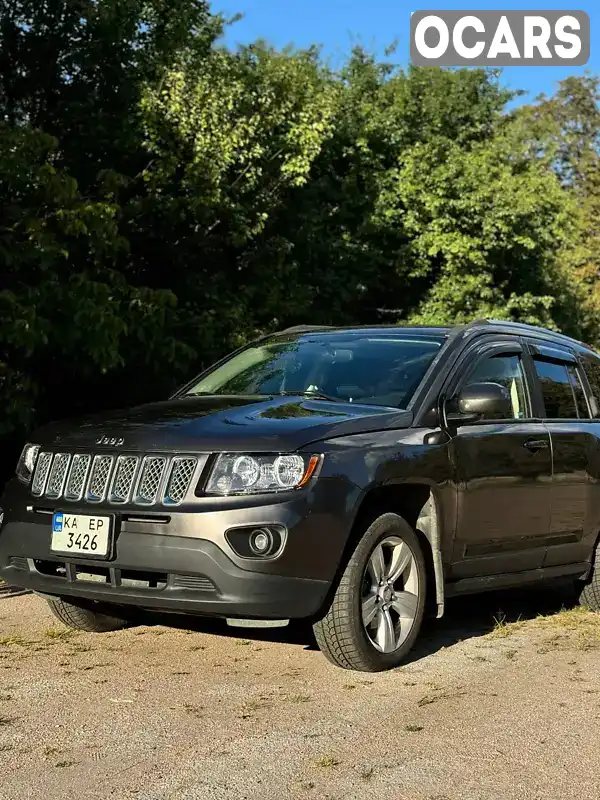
<point x="327" y="761"/>
<point x="298" y="698"/>
<point x="60" y="634"/>
<point x="15" y="640"/>
<point x="503" y="627"/>
<point x="577" y="620"/>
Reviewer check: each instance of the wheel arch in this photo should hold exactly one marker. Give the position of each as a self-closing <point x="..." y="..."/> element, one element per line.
<point x="418" y="505"/>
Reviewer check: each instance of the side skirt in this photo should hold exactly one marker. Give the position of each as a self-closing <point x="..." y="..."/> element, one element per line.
<point x="511" y="580"/>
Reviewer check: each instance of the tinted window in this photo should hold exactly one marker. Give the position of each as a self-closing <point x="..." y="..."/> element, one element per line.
<point x="592" y="370"/>
<point x="371" y="369"/>
<point x="576" y="385"/>
<point x="508" y="372"/>
<point x="557" y="391"/>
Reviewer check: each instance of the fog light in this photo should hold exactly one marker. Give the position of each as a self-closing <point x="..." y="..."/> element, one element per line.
<point x="261" y="541"/>
<point x="266" y="541"/>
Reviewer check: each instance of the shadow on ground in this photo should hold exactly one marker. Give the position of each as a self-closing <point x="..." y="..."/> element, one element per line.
<point x="477" y="615"/>
<point x="465" y="618"/>
<point x="6" y="591"/>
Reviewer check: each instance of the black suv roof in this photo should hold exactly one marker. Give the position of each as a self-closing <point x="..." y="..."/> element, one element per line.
<point x="492" y="325"/>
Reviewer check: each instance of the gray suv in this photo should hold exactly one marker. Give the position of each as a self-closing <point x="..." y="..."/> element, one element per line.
<point x="353" y="477"/>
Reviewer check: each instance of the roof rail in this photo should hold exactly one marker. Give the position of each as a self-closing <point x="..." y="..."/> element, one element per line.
<point x="524" y="327"/>
<point x="300" y="328"/>
<point x="476" y="322"/>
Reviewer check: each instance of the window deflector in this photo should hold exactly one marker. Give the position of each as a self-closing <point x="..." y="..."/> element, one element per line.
<point x="549" y="353"/>
<point x="472" y="358"/>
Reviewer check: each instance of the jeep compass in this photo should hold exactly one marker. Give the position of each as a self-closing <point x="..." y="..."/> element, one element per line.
<point x="354" y="478"/>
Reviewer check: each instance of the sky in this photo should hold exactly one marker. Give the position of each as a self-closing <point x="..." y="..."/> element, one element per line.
<point x="338" y="25"/>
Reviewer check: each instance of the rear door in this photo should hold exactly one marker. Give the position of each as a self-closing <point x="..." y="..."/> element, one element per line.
<point x="565" y="407"/>
<point x="502" y="469"/>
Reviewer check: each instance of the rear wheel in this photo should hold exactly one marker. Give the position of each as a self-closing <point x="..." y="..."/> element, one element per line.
<point x="589" y="596"/>
<point x="85" y="618"/>
<point x="377" y="610"/>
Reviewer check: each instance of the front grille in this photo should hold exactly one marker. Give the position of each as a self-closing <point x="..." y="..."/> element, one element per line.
<point x="199" y="583"/>
<point x="77" y="476"/>
<point x="41" y="474"/>
<point x="101" y="467"/>
<point x="151" y="476"/>
<point x="18" y="562"/>
<point x="123" y="479"/>
<point x="58" y="474"/>
<point x="70" y="572"/>
<point x="181" y="475"/>
<point x="145" y="480"/>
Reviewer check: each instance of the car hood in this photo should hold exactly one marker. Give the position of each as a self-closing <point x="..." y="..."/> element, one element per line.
<point x="213" y="424"/>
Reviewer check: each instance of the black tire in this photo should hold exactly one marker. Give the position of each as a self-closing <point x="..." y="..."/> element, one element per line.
<point x="341" y="635"/>
<point x="84" y="618"/>
<point x="589" y="596"/>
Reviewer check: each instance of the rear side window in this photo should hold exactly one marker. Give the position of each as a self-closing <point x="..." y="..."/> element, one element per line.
<point x="561" y="389"/>
<point x="591" y="367"/>
<point x="580" y="401"/>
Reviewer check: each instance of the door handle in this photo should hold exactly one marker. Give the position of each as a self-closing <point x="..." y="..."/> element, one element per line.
<point x="533" y="445"/>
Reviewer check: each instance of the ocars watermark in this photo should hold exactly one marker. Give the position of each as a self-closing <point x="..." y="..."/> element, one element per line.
<point x="499" y="38"/>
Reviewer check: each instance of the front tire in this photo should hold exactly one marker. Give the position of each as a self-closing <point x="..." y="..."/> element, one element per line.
<point x="378" y="607"/>
<point x="84" y="619"/>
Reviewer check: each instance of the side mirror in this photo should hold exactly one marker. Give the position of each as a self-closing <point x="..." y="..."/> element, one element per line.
<point x="488" y="400"/>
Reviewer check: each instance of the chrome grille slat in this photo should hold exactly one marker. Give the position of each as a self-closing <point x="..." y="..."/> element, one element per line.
<point x="40" y="476"/>
<point x="142" y="479"/>
<point x="98" y="482"/>
<point x="149" y="482"/>
<point x="182" y="471"/>
<point x="58" y="475"/>
<point x="122" y="482"/>
<point x="77" y="476"/>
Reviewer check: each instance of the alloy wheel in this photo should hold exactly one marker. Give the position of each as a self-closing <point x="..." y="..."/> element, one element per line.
<point x="390" y="593"/>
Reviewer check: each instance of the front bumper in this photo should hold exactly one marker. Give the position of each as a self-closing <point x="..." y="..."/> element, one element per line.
<point x="157" y="572"/>
<point x="183" y="562"/>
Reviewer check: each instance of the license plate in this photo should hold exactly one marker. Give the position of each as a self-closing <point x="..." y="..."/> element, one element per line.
<point x="81" y="534"/>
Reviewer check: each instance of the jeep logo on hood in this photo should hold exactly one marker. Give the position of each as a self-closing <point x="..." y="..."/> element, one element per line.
<point x="110" y="441"/>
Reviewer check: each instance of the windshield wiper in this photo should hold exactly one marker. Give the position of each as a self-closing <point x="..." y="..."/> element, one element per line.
<point x="307" y="393"/>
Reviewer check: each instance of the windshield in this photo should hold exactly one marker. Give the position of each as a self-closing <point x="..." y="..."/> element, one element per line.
<point x="370" y="369"/>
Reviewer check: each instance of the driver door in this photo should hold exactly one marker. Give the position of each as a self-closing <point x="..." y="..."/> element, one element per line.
<point x="502" y="471"/>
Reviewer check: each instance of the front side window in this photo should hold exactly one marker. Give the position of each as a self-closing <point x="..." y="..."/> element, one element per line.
<point x="560" y="400"/>
<point x="507" y="371"/>
<point x="369" y="369"/>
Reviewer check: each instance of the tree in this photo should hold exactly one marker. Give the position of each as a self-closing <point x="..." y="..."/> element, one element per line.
<point x="67" y="317"/>
<point x="164" y="198"/>
<point x="564" y="130"/>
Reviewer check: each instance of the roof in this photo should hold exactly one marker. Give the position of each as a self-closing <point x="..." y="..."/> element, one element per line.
<point x="494" y="325"/>
<point x="439" y="330"/>
<point x="524" y="329"/>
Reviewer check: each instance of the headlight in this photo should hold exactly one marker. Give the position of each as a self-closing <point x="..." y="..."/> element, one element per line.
<point x="27" y="461"/>
<point x="250" y="474"/>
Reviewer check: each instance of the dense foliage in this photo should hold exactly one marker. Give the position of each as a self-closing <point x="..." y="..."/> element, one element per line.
<point x="163" y="198"/>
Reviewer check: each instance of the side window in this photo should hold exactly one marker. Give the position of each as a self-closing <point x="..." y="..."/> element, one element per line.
<point x="507" y="370"/>
<point x="580" y="401"/>
<point x="557" y="389"/>
<point x="592" y="371"/>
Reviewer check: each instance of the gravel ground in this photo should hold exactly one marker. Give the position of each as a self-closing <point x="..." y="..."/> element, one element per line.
<point x="486" y="709"/>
